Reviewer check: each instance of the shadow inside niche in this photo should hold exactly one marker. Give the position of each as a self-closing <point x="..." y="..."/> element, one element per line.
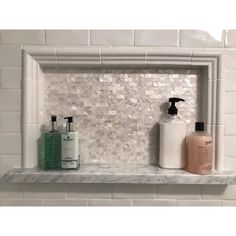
<point x="154" y="137"/>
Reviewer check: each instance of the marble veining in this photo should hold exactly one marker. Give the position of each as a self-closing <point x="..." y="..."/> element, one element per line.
<point x="139" y="174"/>
<point x="116" y="111"/>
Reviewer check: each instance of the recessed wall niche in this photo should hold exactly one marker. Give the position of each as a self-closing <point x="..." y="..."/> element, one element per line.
<point x="117" y="111"/>
<point x="37" y="62"/>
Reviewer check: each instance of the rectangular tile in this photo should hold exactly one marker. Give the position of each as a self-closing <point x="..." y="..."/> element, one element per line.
<point x="230" y="80"/>
<point x="228" y="203"/>
<point x="110" y="202"/>
<point x="230" y="124"/>
<point x="111" y="37"/>
<point x="22" y="37"/>
<point x="133" y="191"/>
<point x="89" y="191"/>
<point x="10" y="78"/>
<point x="10" y="99"/>
<point x="230" y="147"/>
<point x="21" y="202"/>
<point x="159" y="38"/>
<point x="10" y="56"/>
<point x="230" y="60"/>
<point x="203" y="39"/>
<point x="65" y="202"/>
<point x="53" y="191"/>
<point x="10" y="122"/>
<point x="67" y="37"/>
<point x="230" y="163"/>
<point x="230" y="97"/>
<point x="230" y="39"/>
<point x="218" y="191"/>
<point x="10" y="190"/>
<point x="7" y="162"/>
<point x="199" y="203"/>
<point x="154" y="202"/>
<point x="10" y="144"/>
<point x="178" y="191"/>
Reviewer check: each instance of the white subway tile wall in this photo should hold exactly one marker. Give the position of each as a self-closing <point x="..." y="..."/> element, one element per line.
<point x="67" y="37"/>
<point x="159" y="38"/>
<point x="11" y="43"/>
<point x="22" y="37"/>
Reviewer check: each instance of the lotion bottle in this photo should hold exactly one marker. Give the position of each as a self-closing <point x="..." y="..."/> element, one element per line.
<point x="52" y="147"/>
<point x="173" y="132"/>
<point x="70" y="146"/>
<point x="200" y="154"/>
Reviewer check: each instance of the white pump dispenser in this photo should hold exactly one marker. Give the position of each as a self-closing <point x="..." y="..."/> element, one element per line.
<point x="173" y="132"/>
<point x="70" y="146"/>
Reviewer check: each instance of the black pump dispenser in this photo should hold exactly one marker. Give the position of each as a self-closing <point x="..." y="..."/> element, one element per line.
<point x="53" y="122"/>
<point x="68" y="124"/>
<point x="172" y="109"/>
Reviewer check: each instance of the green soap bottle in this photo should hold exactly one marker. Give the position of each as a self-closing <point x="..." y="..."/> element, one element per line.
<point x="52" y="147"/>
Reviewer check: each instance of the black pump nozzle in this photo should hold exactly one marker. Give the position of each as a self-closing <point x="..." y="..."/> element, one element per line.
<point x="68" y="124"/>
<point x="172" y="109"/>
<point x="53" y="118"/>
<point x="69" y="119"/>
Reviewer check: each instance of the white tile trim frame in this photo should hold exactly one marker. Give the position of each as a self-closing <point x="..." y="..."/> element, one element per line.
<point x="35" y="57"/>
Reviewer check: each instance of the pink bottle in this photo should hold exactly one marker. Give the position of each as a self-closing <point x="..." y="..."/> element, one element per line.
<point x="199" y="145"/>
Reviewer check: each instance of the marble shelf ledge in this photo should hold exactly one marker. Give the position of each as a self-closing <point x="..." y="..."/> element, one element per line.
<point x="135" y="174"/>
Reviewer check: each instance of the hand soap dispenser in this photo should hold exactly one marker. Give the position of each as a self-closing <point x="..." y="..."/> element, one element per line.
<point x="173" y="132"/>
<point x="70" y="146"/>
<point x="52" y="147"/>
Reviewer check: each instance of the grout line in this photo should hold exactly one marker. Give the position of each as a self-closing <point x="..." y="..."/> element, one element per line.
<point x="133" y="37"/>
<point x="178" y="38"/>
<point x="89" y="36"/>
<point x="44" y="37"/>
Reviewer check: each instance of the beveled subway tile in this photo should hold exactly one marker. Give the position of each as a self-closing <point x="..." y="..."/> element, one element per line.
<point x="10" y="190"/>
<point x="10" y="100"/>
<point x="89" y="191"/>
<point x="67" y="37"/>
<point x="230" y="127"/>
<point x="154" y="202"/>
<point x="133" y="191"/>
<point x="21" y="202"/>
<point x="22" y="37"/>
<point x="110" y="202"/>
<point x="218" y="192"/>
<point x="178" y="191"/>
<point x="199" y="203"/>
<point x="230" y="147"/>
<point x="230" y="80"/>
<point x="66" y="202"/>
<point x="230" y="59"/>
<point x="7" y="162"/>
<point x="230" y="203"/>
<point x="10" y="78"/>
<point x="111" y="37"/>
<point x="230" y="97"/>
<point x="10" y="56"/>
<point x="47" y="191"/>
<point x="202" y="39"/>
<point x="230" y="39"/>
<point x="10" y="144"/>
<point x="10" y="122"/>
<point x="230" y="163"/>
<point x="159" y="38"/>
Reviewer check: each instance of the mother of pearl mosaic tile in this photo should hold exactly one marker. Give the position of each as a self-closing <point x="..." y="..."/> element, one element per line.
<point x="116" y="111"/>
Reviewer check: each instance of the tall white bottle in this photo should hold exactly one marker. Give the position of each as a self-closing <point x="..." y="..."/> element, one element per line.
<point x="70" y="146"/>
<point x="173" y="131"/>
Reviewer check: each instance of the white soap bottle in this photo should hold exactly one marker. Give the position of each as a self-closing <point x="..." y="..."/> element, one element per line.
<point x="70" y="146"/>
<point x="173" y="131"/>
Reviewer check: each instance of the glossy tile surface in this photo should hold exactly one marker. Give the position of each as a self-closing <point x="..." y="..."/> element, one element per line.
<point x="116" y="111"/>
